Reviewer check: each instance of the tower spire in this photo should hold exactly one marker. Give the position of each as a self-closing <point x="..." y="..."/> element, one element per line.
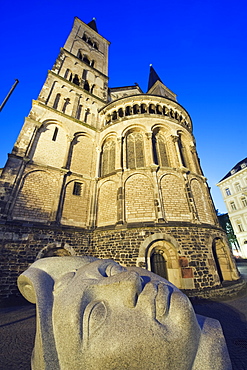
<point x="153" y="77"/>
<point x="92" y="24"/>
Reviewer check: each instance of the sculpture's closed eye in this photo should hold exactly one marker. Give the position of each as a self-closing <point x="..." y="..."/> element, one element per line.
<point x="93" y="318"/>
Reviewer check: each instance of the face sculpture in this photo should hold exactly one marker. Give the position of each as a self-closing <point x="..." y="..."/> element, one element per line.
<point x="94" y="314"/>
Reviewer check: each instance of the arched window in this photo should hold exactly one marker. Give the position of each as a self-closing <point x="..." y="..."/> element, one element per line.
<point x="56" y="101"/>
<point x="86" y="115"/>
<point x="158" y="109"/>
<point x="114" y="115"/>
<point x="136" y="109"/>
<point x="67" y="73"/>
<point x="135" y="150"/>
<point x="120" y="112"/>
<point x="152" y="108"/>
<point x="79" y="55"/>
<point x="86" y="60"/>
<point x="76" y="80"/>
<point x="160" y="151"/>
<point x="143" y="108"/>
<point x="66" y="103"/>
<point x="128" y="111"/>
<point x="108" y="155"/>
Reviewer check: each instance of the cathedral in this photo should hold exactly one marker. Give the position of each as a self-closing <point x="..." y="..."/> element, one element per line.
<point x="112" y="173"/>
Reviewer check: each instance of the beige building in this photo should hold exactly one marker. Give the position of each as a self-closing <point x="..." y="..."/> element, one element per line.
<point x="233" y="188"/>
<point x="111" y="172"/>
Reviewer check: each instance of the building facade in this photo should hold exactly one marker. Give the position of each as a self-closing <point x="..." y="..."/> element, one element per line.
<point x="233" y="188"/>
<point x="111" y="172"/>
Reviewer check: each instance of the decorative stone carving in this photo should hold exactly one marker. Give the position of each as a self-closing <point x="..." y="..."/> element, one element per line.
<point x="95" y="314"/>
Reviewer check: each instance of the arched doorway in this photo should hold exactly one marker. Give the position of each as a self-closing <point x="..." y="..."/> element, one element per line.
<point x="224" y="264"/>
<point x="158" y="263"/>
<point x="56" y="249"/>
<point x="216" y="259"/>
<point x="162" y="259"/>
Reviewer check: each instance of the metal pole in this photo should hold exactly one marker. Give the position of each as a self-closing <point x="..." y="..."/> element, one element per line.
<point x="10" y="92"/>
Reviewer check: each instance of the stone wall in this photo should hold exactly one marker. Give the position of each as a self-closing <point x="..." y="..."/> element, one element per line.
<point x="191" y="266"/>
<point x="20" y="246"/>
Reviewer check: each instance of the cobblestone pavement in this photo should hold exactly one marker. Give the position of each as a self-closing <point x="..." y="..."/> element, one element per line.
<point x="17" y="330"/>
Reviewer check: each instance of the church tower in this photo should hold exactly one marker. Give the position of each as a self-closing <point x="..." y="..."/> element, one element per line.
<point x="114" y="173"/>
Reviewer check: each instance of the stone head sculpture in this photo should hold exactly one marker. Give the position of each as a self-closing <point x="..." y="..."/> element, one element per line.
<point x="95" y="314"/>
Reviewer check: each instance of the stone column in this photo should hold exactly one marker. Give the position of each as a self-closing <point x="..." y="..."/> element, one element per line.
<point x="69" y="152"/>
<point x="148" y="147"/>
<point x="158" y="204"/>
<point x="76" y="105"/>
<point x="119" y="154"/>
<point x="175" y="139"/>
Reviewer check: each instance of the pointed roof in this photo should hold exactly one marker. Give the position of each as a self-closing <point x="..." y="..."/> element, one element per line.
<point x="92" y="25"/>
<point x="153" y="77"/>
<point x="156" y="86"/>
<point x="238" y="167"/>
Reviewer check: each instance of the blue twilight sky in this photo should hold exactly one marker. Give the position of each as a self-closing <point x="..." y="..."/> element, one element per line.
<point x="197" y="47"/>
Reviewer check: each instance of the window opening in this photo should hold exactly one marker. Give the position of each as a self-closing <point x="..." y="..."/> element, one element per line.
<point x="233" y="206"/>
<point x="160" y="152"/>
<point x="244" y="201"/>
<point x="143" y="108"/>
<point x="135" y="151"/>
<point x="86" y="85"/>
<point x="79" y="55"/>
<point x="76" y="80"/>
<point x="77" y="188"/>
<point x="86" y="115"/>
<point x="54" y="137"/>
<point x="182" y="151"/>
<point x="66" y="103"/>
<point x="240" y="226"/>
<point x="237" y="187"/>
<point x="66" y="73"/>
<point x="86" y="60"/>
<point x="228" y="192"/>
<point x="56" y="101"/>
<point x="78" y="113"/>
